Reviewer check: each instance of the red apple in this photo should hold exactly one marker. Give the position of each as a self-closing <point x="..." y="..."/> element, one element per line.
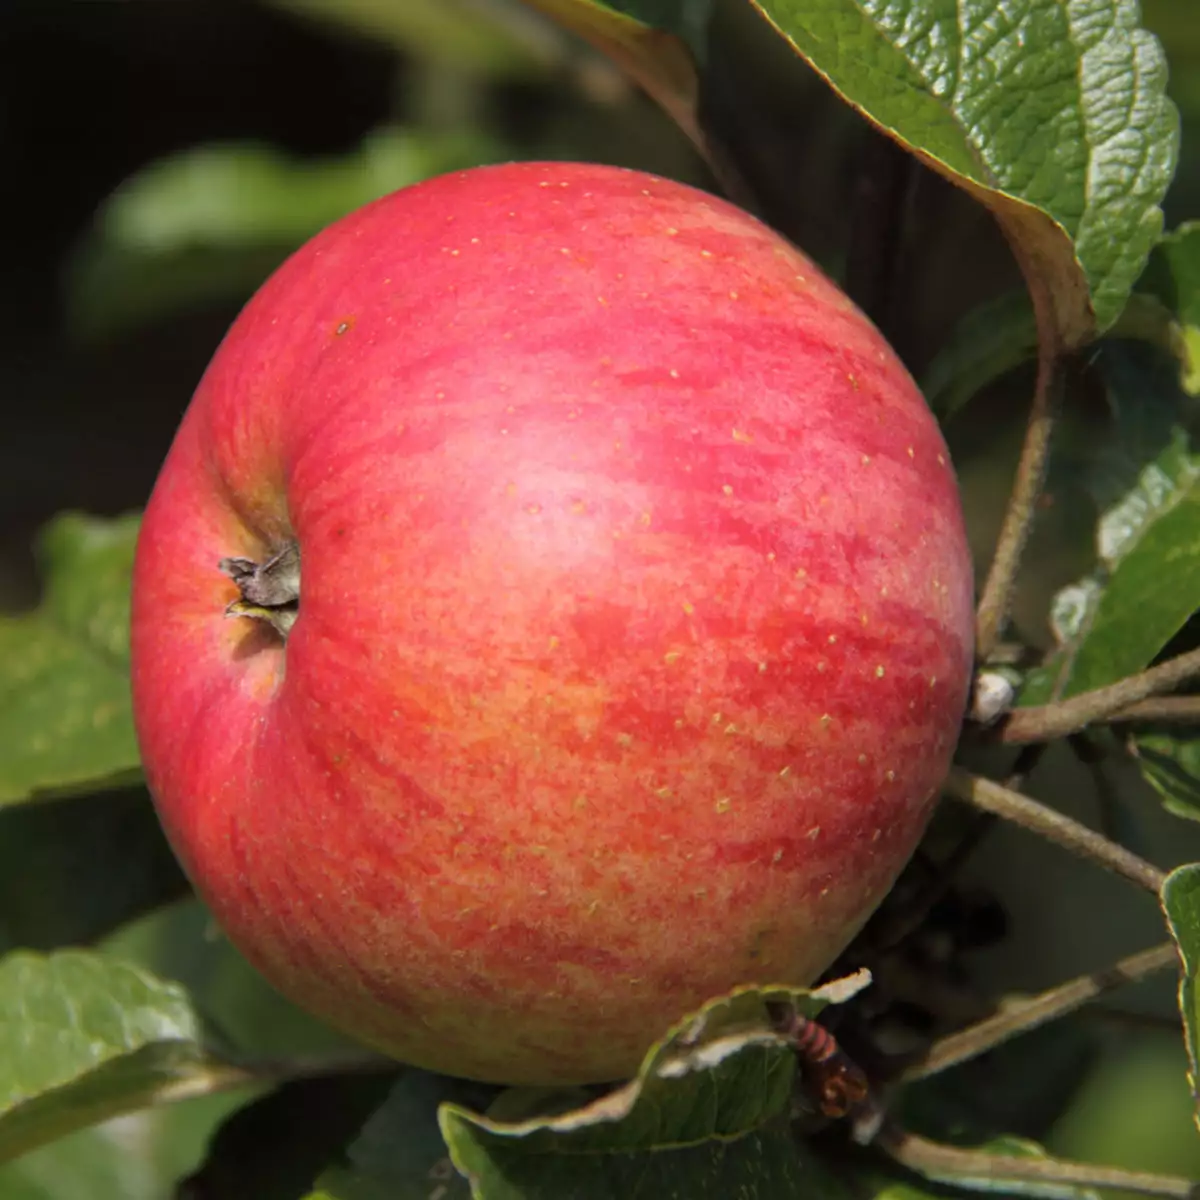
<point x="634" y="634"/>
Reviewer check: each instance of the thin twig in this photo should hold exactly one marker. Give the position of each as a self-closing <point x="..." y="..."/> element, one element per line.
<point x="950" y="1163"/>
<point x="1018" y="517"/>
<point x="1024" y="1015"/>
<point x="1126" y="700"/>
<point x="1055" y="826"/>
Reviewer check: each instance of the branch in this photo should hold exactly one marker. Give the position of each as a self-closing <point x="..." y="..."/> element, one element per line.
<point x="1167" y="710"/>
<point x="1054" y="826"/>
<point x="1024" y="1015"/>
<point x="950" y="1163"/>
<point x="1018" y="518"/>
<point x="1118" y="702"/>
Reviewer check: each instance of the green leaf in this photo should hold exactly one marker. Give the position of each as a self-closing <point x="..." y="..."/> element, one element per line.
<point x="1181" y="903"/>
<point x="711" y="1101"/>
<point x="1173" y="275"/>
<point x="987" y="343"/>
<point x="97" y="1164"/>
<point x="71" y="872"/>
<point x="1001" y="334"/>
<point x="212" y="222"/>
<point x="400" y="1154"/>
<point x="1053" y="114"/>
<point x="763" y="1164"/>
<point x="66" y="723"/>
<point x="84" y="1038"/>
<point x="1113" y="622"/>
<point x="1170" y="763"/>
<point x="707" y="1115"/>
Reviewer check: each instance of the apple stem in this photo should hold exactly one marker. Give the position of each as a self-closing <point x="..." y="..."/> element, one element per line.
<point x="1129" y="699"/>
<point x="1039" y="818"/>
<point x="951" y="1164"/>
<point x="992" y="611"/>
<point x="269" y="591"/>
<point x="1023" y="1015"/>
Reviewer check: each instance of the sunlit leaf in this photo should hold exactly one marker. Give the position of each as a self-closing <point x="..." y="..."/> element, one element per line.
<point x="84" y="1038"/>
<point x="66" y="721"/>
<point x="1173" y="275"/>
<point x="140" y="1156"/>
<point x="1181" y="902"/>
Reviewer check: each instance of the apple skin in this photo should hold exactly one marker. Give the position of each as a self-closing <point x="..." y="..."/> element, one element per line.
<point x="634" y="633"/>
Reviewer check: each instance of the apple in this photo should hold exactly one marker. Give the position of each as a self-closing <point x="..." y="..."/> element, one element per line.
<point x="554" y="611"/>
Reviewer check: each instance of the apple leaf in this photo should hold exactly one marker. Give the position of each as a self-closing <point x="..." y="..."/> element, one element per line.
<point x="1170" y="763"/>
<point x="1054" y="115"/>
<point x="1181" y="903"/>
<point x="1147" y="585"/>
<point x="711" y="1099"/>
<point x="84" y="1038"/>
<point x="762" y="1164"/>
<point x="1001" y="334"/>
<point x="987" y="343"/>
<point x="212" y="222"/>
<point x="707" y="1115"/>
<point x="65" y="718"/>
<point x="1173" y="275"/>
<point x="97" y="1164"/>
<point x="73" y="871"/>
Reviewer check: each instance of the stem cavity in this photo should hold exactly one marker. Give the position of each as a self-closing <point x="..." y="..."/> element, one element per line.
<point x="270" y="591"/>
